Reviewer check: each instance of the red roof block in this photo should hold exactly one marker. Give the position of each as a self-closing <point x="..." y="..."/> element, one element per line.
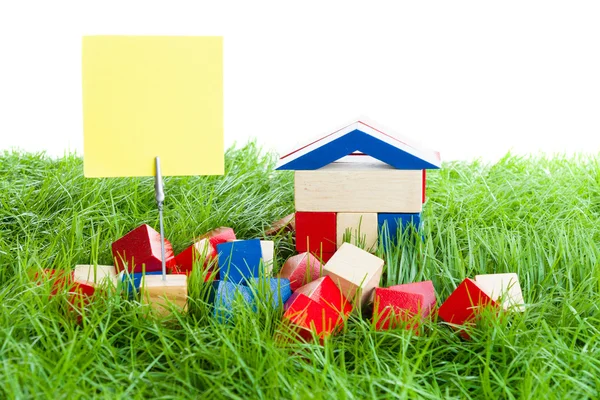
<point x="463" y="305"/>
<point x="140" y="249"/>
<point x="325" y="292"/>
<point x="300" y="269"/>
<point x="309" y="316"/>
<point x="402" y="303"/>
<point x="204" y="247"/>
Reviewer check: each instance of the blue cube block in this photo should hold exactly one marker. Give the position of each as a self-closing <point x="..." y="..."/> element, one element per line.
<point x="223" y="295"/>
<point x="239" y="261"/>
<point x="388" y="225"/>
<point x="278" y="290"/>
<point x="131" y="282"/>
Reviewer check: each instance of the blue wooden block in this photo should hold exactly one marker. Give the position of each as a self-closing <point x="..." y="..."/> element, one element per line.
<point x="131" y="282"/>
<point x="223" y="295"/>
<point x="355" y="140"/>
<point x="388" y="225"/>
<point x="275" y="289"/>
<point x="239" y="260"/>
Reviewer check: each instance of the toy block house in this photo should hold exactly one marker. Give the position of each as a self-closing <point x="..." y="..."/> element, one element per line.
<point x="356" y="183"/>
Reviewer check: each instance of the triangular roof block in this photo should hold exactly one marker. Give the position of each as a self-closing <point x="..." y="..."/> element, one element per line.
<point x="364" y="138"/>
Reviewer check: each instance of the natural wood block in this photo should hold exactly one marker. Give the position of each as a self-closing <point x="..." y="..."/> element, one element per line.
<point x="131" y="282"/>
<point x="161" y="294"/>
<point x="362" y="228"/>
<point x="464" y="304"/>
<point x="316" y="232"/>
<point x="300" y="270"/>
<point x="400" y="304"/>
<point x="356" y="272"/>
<point x="503" y="289"/>
<point x="359" y="187"/>
<point x="204" y="251"/>
<point x="239" y="260"/>
<point x="267" y="248"/>
<point x="140" y="250"/>
<point x="325" y="292"/>
<point x="287" y="223"/>
<point x="88" y="277"/>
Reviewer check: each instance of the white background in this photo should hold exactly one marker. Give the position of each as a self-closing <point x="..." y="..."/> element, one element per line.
<point x="472" y="79"/>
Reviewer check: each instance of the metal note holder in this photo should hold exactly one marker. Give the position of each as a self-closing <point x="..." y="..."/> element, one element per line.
<point x="160" y="198"/>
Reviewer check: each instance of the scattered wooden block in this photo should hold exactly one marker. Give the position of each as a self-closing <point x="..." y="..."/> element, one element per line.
<point x="300" y="270"/>
<point x="287" y="223"/>
<point x="267" y="248"/>
<point x="308" y="316"/>
<point x="463" y="305"/>
<point x="88" y="277"/>
<point x="424" y="184"/>
<point x="140" y="250"/>
<point x="400" y="304"/>
<point x="277" y="290"/>
<point x="161" y="294"/>
<point x="60" y="280"/>
<point x="131" y="282"/>
<point x="359" y="187"/>
<point x="503" y="289"/>
<point x="316" y="232"/>
<point x="204" y="251"/>
<point x="239" y="260"/>
<point x="356" y="272"/>
<point x="362" y="228"/>
<point x="325" y="292"/>
<point x="388" y="225"/>
<point x="222" y="297"/>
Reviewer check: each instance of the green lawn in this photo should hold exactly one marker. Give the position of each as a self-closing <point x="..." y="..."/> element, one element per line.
<point x="537" y="217"/>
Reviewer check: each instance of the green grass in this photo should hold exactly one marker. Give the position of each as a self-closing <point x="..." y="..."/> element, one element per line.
<point x="534" y="216"/>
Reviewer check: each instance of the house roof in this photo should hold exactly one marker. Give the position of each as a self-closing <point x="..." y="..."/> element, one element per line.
<point x="363" y="137"/>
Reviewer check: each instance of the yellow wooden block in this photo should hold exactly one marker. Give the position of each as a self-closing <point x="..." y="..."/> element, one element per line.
<point x="94" y="275"/>
<point x="356" y="272"/>
<point x="162" y="294"/>
<point x="148" y="96"/>
<point x="502" y="288"/>
<point x="359" y="187"/>
<point x="362" y="228"/>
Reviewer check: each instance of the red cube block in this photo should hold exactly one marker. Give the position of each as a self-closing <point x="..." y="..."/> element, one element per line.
<point x="140" y="249"/>
<point x="300" y="269"/>
<point x="316" y="232"/>
<point x="400" y="304"/>
<point x="204" y="248"/>
<point x="463" y="305"/>
<point x="309" y="316"/>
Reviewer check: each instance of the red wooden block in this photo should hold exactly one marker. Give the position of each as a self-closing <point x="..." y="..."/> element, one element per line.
<point x="300" y="269"/>
<point x="140" y="249"/>
<point x="60" y="279"/>
<point x="316" y="232"/>
<point x="309" y="316"/>
<point x="325" y="292"/>
<point x="464" y="304"/>
<point x="399" y="304"/>
<point x="205" y="248"/>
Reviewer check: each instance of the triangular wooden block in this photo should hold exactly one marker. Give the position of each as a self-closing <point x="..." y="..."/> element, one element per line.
<point x="504" y="289"/>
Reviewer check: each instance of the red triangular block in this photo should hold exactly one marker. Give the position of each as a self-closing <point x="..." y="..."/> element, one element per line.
<point x="140" y="250"/>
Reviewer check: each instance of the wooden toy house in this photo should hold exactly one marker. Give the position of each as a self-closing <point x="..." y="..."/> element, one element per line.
<point x="356" y="180"/>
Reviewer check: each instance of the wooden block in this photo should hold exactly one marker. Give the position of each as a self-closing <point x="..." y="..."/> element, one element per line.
<point x="287" y="223"/>
<point x="276" y="290"/>
<point x="204" y="251"/>
<point x="389" y="224"/>
<point x="463" y="305"/>
<point x="308" y="316"/>
<point x="356" y="272"/>
<point x="239" y="260"/>
<point x="325" y="292"/>
<point x="366" y="138"/>
<point x="362" y="228"/>
<point x="60" y="280"/>
<point x="140" y="250"/>
<point x="503" y="289"/>
<point x="399" y="304"/>
<point x="88" y="277"/>
<point x="223" y="296"/>
<point x="131" y="282"/>
<point x="353" y="187"/>
<point x="316" y="232"/>
<point x="161" y="294"/>
<point x="300" y="270"/>
<point x="267" y="248"/>
<point x="424" y="184"/>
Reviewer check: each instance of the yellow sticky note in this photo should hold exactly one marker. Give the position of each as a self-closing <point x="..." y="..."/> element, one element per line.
<point x="149" y="96"/>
